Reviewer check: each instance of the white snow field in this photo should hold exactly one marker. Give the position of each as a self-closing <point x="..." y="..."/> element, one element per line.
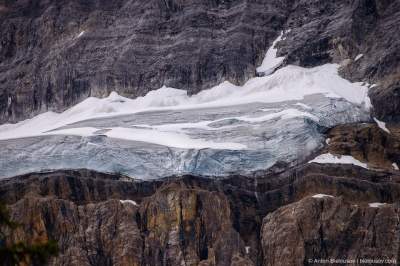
<point x="225" y="129"/>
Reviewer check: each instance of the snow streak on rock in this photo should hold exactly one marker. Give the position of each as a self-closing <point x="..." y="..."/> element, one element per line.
<point x="339" y="159"/>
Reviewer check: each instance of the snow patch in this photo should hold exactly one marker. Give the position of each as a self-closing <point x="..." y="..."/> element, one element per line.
<point x="205" y="125"/>
<point x="382" y="125"/>
<point x="327" y="141"/>
<point x="338" y="159"/>
<point x="373" y="86"/>
<point x="247" y="248"/>
<point x="305" y="106"/>
<point x="129" y="202"/>
<point x="395" y="166"/>
<point x="358" y="57"/>
<point x="149" y="135"/>
<point x="376" y="204"/>
<point x="169" y="139"/>
<point x="271" y="61"/>
<point x="284" y="114"/>
<point x="319" y="196"/>
<point x="80" y="34"/>
<point x="79" y="131"/>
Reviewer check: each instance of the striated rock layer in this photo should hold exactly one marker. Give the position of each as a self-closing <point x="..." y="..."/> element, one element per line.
<point x="54" y="54"/>
<point x="101" y="219"/>
<point x="314" y="230"/>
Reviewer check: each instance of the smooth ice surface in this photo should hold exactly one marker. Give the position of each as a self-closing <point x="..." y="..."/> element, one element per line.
<point x="226" y="129"/>
<point x="340" y="159"/>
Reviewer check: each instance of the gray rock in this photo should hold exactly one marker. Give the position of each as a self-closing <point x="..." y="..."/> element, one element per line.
<point x="341" y="31"/>
<point x="131" y="47"/>
<point x="54" y="54"/>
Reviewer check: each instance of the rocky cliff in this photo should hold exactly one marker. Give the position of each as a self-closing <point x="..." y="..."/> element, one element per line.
<point x="101" y="219"/>
<point x="54" y="54"/>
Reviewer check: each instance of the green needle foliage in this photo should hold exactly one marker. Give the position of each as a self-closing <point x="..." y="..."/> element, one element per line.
<point x="21" y="253"/>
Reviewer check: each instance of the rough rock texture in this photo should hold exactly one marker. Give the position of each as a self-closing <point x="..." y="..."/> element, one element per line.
<point x="53" y="53"/>
<point x="190" y="226"/>
<point x="104" y="233"/>
<point x="180" y="223"/>
<point x="315" y="229"/>
<point x="191" y="220"/>
<point x="367" y="143"/>
<point x="360" y="35"/>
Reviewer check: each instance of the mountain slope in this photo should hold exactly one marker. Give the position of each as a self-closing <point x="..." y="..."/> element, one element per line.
<point x="54" y="54"/>
<point x="202" y="132"/>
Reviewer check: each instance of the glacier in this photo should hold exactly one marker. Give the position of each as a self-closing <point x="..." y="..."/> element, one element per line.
<point x="280" y="117"/>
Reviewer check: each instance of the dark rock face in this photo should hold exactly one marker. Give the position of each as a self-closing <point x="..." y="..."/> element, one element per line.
<point x="339" y="31"/>
<point x="181" y="222"/>
<point x="104" y="233"/>
<point x="315" y="229"/>
<point x="198" y="221"/>
<point x="54" y="54"/>
<point x="190" y="226"/>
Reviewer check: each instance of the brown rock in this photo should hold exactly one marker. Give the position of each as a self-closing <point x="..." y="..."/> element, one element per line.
<point x="180" y="220"/>
<point x="188" y="226"/>
<point x="105" y="233"/>
<point x="367" y="143"/>
<point x="330" y="228"/>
